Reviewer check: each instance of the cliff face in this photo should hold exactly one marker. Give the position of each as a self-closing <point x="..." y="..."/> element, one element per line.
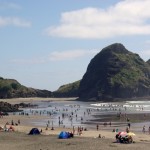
<point x="115" y="72"/>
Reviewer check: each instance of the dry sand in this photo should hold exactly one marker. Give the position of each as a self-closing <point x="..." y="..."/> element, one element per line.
<point x="29" y="100"/>
<point x="48" y="140"/>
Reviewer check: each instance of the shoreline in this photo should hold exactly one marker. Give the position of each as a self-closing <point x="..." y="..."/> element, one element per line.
<point x="30" y="99"/>
<point x="89" y="136"/>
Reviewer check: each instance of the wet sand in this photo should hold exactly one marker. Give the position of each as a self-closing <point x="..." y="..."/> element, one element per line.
<point x="19" y="139"/>
<point x="29" y="100"/>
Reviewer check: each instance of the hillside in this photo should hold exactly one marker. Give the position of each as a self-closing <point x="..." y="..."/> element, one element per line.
<point x="115" y="72"/>
<point x="68" y="90"/>
<point x="10" y="88"/>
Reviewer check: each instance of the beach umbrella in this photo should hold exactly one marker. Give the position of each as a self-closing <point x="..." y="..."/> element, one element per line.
<point x="122" y="133"/>
<point x="131" y="134"/>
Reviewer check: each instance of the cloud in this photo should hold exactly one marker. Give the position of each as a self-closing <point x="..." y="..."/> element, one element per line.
<point x="124" y="18"/>
<point x="70" y="55"/>
<point x="56" y="56"/>
<point x="15" y="21"/>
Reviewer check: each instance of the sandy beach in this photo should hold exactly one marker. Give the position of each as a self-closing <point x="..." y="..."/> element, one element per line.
<point x="29" y="100"/>
<point x="19" y="139"/>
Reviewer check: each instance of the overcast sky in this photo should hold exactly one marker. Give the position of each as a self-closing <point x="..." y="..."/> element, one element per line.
<point x="49" y="43"/>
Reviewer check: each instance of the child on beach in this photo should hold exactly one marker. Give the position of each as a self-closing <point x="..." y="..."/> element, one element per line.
<point x="127" y="130"/>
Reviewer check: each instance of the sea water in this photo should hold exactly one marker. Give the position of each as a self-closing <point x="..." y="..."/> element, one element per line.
<point x="78" y="113"/>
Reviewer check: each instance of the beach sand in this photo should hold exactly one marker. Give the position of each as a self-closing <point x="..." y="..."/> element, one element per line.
<point x="48" y="140"/>
<point x="22" y="141"/>
<point x="29" y="100"/>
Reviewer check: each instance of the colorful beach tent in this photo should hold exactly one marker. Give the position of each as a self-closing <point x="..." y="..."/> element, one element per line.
<point x="34" y="131"/>
<point x="63" y="135"/>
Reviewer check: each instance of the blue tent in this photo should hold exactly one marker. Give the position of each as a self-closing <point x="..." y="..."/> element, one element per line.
<point x="64" y="135"/>
<point x="34" y="131"/>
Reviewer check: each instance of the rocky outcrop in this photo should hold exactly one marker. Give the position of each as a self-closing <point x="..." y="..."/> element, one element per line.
<point x="6" y="107"/>
<point x="114" y="73"/>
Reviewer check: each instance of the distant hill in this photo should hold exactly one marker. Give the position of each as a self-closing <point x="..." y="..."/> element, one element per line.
<point x="115" y="72"/>
<point x="10" y="88"/>
<point x="68" y="90"/>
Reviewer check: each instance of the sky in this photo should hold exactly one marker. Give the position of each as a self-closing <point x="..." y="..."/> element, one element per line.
<point x="45" y="44"/>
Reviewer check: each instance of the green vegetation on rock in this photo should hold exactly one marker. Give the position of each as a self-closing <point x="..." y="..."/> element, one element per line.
<point x="68" y="90"/>
<point x="10" y="88"/>
<point x="115" y="72"/>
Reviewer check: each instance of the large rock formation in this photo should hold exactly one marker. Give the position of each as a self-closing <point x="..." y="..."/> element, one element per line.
<point x="115" y="72"/>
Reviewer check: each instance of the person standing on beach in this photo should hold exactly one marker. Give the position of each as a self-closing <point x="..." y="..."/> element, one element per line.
<point x="110" y="123"/>
<point x="97" y="127"/>
<point x="149" y="129"/>
<point x="129" y="125"/>
<point x="143" y="129"/>
<point x="12" y="122"/>
<point x="18" y="121"/>
<point x="127" y="130"/>
<point x="73" y="130"/>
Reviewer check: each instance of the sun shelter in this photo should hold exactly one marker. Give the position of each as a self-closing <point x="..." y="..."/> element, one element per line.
<point x="34" y="131"/>
<point x="64" y="135"/>
<point x="124" y="137"/>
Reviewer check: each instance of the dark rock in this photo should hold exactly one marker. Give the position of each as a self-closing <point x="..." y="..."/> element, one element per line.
<point x="6" y="107"/>
<point x="113" y="73"/>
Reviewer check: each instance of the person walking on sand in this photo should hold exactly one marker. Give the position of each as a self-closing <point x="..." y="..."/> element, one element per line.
<point x="143" y="129"/>
<point x="129" y="125"/>
<point x="127" y="130"/>
<point x="110" y="123"/>
<point x="73" y="130"/>
<point x="18" y="121"/>
<point x="12" y="122"/>
<point x="97" y="127"/>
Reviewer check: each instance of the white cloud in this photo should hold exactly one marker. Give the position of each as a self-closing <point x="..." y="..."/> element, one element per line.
<point x="70" y="55"/>
<point x="128" y="17"/>
<point x="15" y="21"/>
<point x="56" y="56"/>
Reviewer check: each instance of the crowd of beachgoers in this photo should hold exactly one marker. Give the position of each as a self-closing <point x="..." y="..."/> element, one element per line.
<point x="74" y="119"/>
